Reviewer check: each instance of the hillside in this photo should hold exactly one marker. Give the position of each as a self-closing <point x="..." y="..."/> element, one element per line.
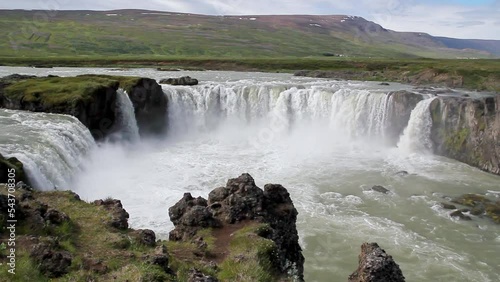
<point x="139" y="32"/>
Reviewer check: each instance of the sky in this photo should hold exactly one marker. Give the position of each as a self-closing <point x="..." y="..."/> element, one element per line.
<point x="479" y="19"/>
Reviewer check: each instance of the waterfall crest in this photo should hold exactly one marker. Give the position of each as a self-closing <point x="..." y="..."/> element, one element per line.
<point x="346" y="111"/>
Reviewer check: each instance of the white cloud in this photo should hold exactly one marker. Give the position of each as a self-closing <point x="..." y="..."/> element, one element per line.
<point x="453" y="20"/>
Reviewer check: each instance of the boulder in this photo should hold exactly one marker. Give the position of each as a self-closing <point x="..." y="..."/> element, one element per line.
<point x="185" y="80"/>
<point x="242" y="202"/>
<point x="144" y="237"/>
<point x="50" y="260"/>
<point x="375" y="265"/>
<point x="380" y="189"/>
<point x="119" y="216"/>
<point x="460" y="215"/>
<point x="479" y="205"/>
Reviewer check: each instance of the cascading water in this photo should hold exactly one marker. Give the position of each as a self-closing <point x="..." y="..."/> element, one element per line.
<point x="344" y="111"/>
<point x="417" y="135"/>
<point x="129" y="131"/>
<point x="50" y="146"/>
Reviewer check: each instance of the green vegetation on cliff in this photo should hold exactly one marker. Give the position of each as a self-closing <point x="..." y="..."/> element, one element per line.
<point x="52" y="91"/>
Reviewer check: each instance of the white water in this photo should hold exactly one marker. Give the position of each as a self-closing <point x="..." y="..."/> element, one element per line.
<point x="50" y="146"/>
<point x="417" y="136"/>
<point x="129" y="131"/>
<point x="315" y="138"/>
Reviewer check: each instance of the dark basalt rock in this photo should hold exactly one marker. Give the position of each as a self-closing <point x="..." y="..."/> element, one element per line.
<point x="460" y="215"/>
<point x="50" y="260"/>
<point x="9" y="164"/>
<point x="380" y="189"/>
<point x="480" y="205"/>
<point x="119" y="215"/>
<point x="241" y="201"/>
<point x="150" y="106"/>
<point x="185" y="80"/>
<point x="144" y="237"/>
<point x="448" y="206"/>
<point x="403" y="103"/>
<point x="198" y="276"/>
<point x="375" y="265"/>
<point x="55" y="217"/>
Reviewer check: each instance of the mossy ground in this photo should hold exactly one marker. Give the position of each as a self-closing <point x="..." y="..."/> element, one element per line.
<point x="54" y="91"/>
<point x="240" y="255"/>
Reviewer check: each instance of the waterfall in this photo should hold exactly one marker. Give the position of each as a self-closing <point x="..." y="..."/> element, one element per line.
<point x="126" y="117"/>
<point x="352" y="112"/>
<point x="416" y="137"/>
<point x="50" y="146"/>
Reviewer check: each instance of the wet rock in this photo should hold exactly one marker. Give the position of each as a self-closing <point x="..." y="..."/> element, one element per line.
<point x="401" y="173"/>
<point x="50" y="260"/>
<point x="242" y="201"/>
<point x="119" y="216"/>
<point x="384" y="84"/>
<point x="198" y="276"/>
<point x="144" y="237"/>
<point x="150" y="106"/>
<point x="467" y="130"/>
<point x="375" y="265"/>
<point x="447" y="206"/>
<point x="380" y="189"/>
<point x="460" y="215"/>
<point x="479" y="205"/>
<point x="185" y="80"/>
<point x="403" y="103"/>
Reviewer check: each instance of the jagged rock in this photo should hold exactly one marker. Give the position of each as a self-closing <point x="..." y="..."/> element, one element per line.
<point x="380" y="189"/>
<point x="198" y="276"/>
<point x="460" y="215"/>
<point x="467" y="130"/>
<point x="119" y="215"/>
<point x="375" y="265"/>
<point x="55" y="217"/>
<point x="144" y="236"/>
<point x="51" y="261"/>
<point x="240" y="201"/>
<point x="185" y="80"/>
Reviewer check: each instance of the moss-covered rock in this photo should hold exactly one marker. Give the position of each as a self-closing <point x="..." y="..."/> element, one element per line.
<point x="6" y="165"/>
<point x="467" y="130"/>
<point x="480" y="205"/>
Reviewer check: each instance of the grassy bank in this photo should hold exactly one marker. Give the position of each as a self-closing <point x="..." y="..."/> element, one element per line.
<point x="470" y="74"/>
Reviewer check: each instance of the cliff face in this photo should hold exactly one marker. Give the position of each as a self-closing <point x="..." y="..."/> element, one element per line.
<point x="90" y="98"/>
<point x="150" y="105"/>
<point x="402" y="104"/>
<point x="468" y="130"/>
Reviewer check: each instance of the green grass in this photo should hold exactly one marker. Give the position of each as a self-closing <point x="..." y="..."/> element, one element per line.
<point x="65" y="91"/>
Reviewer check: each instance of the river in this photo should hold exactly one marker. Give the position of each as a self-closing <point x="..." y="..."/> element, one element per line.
<point x="324" y="140"/>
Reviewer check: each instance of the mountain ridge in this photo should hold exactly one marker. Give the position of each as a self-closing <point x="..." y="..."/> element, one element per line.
<point x="146" y="32"/>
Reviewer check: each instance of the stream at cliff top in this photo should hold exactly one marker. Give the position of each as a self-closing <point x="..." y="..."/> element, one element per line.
<point x="325" y="141"/>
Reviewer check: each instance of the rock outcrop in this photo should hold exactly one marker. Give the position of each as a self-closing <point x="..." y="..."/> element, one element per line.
<point x="375" y="265"/>
<point x="402" y="104"/>
<point x="9" y="164"/>
<point x="185" y="80"/>
<point x="468" y="130"/>
<point x="242" y="202"/>
<point x="150" y="106"/>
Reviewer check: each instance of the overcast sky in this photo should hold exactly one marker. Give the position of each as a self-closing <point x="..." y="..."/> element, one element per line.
<point x="453" y="18"/>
